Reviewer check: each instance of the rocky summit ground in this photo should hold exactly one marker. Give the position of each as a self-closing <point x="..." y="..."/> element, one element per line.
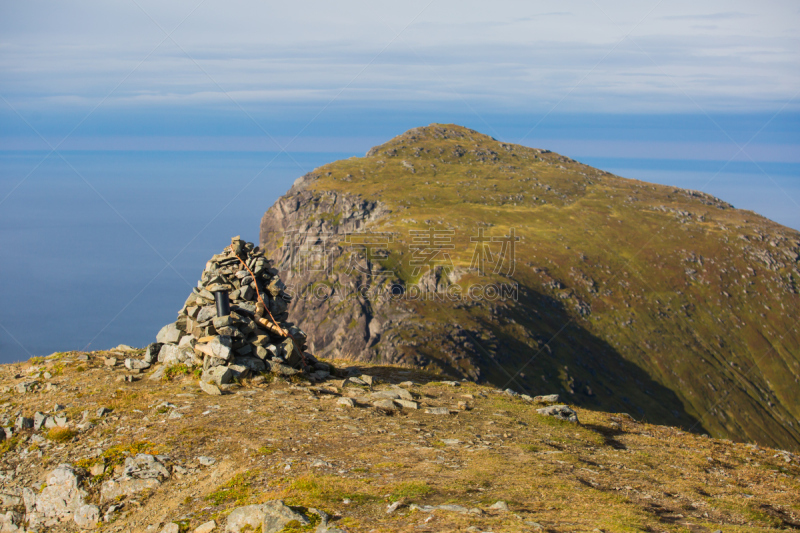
<point x="116" y="450"/>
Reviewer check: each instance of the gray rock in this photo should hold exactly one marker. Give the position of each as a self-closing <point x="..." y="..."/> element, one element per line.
<point x="254" y="364"/>
<point x="151" y="352"/>
<point x="452" y="383"/>
<point x="239" y="371"/>
<point x="87" y="516"/>
<point x="113" y="489"/>
<point x="10" y="522"/>
<point x="277" y="515"/>
<point x="217" y="375"/>
<point x="407" y="404"/>
<point x="499" y="505"/>
<point x="369" y="380"/>
<point x="23" y="423"/>
<point x="136" y="364"/>
<point x="169" y="334"/>
<point x="145" y="466"/>
<point x="158" y="374"/>
<point x="437" y="410"/>
<point x="385" y="394"/>
<point x="168" y="354"/>
<point x="221" y="347"/>
<point x="509" y="392"/>
<point x="206" y="527"/>
<point x="62" y="497"/>
<point x="9" y="500"/>
<point x="38" y="420"/>
<point x="561" y="412"/>
<point x="102" y="411"/>
<point x="222" y="321"/>
<point x="207" y="313"/>
<point x="448" y="507"/>
<point x="549" y="398"/>
<point x="346" y="402"/>
<point x="249" y="518"/>
<point x="210" y="388"/>
<point x="385" y="405"/>
<point x="172" y="527"/>
<point x="205" y="461"/>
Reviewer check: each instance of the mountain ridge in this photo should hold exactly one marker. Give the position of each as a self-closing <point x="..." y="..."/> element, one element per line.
<point x="633" y="296"/>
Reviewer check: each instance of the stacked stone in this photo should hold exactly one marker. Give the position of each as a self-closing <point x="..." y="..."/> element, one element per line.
<point x="247" y="340"/>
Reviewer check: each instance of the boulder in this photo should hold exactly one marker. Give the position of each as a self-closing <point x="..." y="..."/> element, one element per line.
<point x="561" y="412"/>
<point x="549" y="398"/>
<point x="210" y="388"/>
<point x="277" y="515"/>
<point x="218" y="375"/>
<point x="248" y="518"/>
<point x="254" y="364"/>
<point x="151" y="352"/>
<point x="168" y="354"/>
<point x="136" y="364"/>
<point x="62" y="497"/>
<point x="87" y="516"/>
<point x="169" y="334"/>
<point x="221" y="347"/>
<point x="115" y="488"/>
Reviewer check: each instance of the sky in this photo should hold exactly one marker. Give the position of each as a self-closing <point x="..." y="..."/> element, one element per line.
<point x="152" y="94"/>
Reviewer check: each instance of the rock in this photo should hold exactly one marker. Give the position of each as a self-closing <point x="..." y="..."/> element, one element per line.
<point x="254" y="364"/>
<point x="447" y="507"/>
<point x="368" y="380"/>
<point x="23" y="423"/>
<point x="346" y="402"/>
<point x="385" y="405"/>
<point x="451" y="383"/>
<point x="385" y="394"/>
<point x="437" y="410"/>
<point x="168" y="354"/>
<point x="110" y="361"/>
<point x="210" y="388"/>
<point x="499" y="505"/>
<point x="526" y="397"/>
<point x="38" y="420"/>
<point x="218" y="375"/>
<point x="97" y="469"/>
<point x="169" y="334"/>
<point x="145" y="466"/>
<point x="205" y="461"/>
<point x="207" y="527"/>
<point x="562" y="412"/>
<point x="115" y="488"/>
<point x="172" y="527"/>
<point x="87" y="516"/>
<point x="509" y="392"/>
<point x="151" y="352"/>
<point x="62" y="497"/>
<point x="549" y="398"/>
<point x="247" y="518"/>
<point x="136" y="364"/>
<point x="407" y="404"/>
<point x="102" y="411"/>
<point x="277" y="515"/>
<point x="221" y="347"/>
<point x="10" y="522"/>
<point x="238" y="371"/>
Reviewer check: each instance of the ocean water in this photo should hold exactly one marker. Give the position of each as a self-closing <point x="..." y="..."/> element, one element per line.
<point x="102" y="247"/>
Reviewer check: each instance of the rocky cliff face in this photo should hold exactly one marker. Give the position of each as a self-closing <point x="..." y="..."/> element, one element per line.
<point x="623" y="295"/>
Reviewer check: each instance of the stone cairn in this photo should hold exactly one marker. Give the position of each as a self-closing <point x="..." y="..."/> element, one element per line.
<point x="254" y="338"/>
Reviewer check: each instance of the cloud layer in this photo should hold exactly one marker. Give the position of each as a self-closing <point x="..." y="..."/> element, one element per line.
<point x="583" y="56"/>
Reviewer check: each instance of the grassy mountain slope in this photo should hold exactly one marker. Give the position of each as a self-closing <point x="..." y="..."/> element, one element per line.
<point x="268" y="439"/>
<point x="665" y="303"/>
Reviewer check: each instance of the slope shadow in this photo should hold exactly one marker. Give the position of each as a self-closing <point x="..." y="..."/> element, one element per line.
<point x="582" y="368"/>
